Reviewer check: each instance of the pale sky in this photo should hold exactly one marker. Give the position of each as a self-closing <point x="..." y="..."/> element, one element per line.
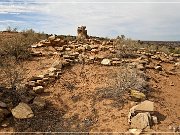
<point x="140" y="19"/>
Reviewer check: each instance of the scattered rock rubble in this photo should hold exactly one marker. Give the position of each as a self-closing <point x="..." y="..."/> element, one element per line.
<point x="141" y="116"/>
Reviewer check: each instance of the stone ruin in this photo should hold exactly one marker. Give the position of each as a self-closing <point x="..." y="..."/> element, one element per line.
<point x="82" y="32"/>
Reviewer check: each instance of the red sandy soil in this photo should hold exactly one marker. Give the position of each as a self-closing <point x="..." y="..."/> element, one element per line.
<point x="74" y="103"/>
<point x="166" y="95"/>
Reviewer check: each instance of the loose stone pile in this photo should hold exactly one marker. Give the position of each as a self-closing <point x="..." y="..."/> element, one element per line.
<point x="37" y="83"/>
<point x="141" y="117"/>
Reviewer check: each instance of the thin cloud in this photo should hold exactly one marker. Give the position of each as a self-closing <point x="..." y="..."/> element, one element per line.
<point x="148" y="21"/>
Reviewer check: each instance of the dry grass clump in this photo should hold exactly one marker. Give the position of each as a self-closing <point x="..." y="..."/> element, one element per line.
<point x="176" y="50"/>
<point x="31" y="36"/>
<point x="130" y="79"/>
<point x="126" y="48"/>
<point x="12" y="73"/>
<point x="123" y="81"/>
<point x="16" y="47"/>
<point x="153" y="48"/>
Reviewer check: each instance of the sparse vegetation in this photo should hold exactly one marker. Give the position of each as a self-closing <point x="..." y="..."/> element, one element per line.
<point x="125" y="80"/>
<point x="32" y="36"/>
<point x="130" y="79"/>
<point x="73" y="87"/>
<point x="10" y="29"/>
<point x="12" y="72"/>
<point x="16" y="46"/>
<point x="126" y="48"/>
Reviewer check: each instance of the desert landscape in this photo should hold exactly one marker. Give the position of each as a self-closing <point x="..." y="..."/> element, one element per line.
<point x="85" y="84"/>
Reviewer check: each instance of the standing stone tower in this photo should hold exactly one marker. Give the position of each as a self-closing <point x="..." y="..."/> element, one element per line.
<point x="82" y="32"/>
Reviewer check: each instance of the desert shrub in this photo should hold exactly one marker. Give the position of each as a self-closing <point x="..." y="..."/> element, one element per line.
<point x="175" y="50"/>
<point x="11" y="72"/>
<point x="10" y="29"/>
<point x="32" y="36"/>
<point x="123" y="81"/>
<point x="126" y="48"/>
<point x="130" y="79"/>
<point x="151" y="47"/>
<point x="164" y="49"/>
<point x="16" y="47"/>
<point x="69" y="38"/>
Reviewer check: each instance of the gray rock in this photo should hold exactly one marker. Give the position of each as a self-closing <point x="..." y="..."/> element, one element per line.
<point x="34" y="78"/>
<point x="52" y="38"/>
<point x="159" y="68"/>
<point x="40" y="102"/>
<point x="145" y="106"/>
<point x="52" y="70"/>
<point x="154" y="119"/>
<point x="135" y="131"/>
<point x="22" y="111"/>
<point x="141" y="121"/>
<point x="57" y="64"/>
<point x="106" y="62"/>
<point x="31" y="83"/>
<point x="140" y="67"/>
<point x="38" y="89"/>
<point x="3" y="105"/>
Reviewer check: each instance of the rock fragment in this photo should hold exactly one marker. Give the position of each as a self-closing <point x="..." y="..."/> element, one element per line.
<point x="22" y="111"/>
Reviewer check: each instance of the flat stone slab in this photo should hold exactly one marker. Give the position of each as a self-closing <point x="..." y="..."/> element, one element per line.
<point x="22" y="111"/>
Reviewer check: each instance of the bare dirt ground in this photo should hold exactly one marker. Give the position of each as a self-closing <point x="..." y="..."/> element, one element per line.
<point x="78" y="90"/>
<point x="74" y="104"/>
<point x="81" y="99"/>
<point x="166" y="95"/>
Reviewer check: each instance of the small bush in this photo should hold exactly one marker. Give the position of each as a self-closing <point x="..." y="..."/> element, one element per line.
<point x="32" y="37"/>
<point x="125" y="80"/>
<point x="164" y="49"/>
<point x="175" y="50"/>
<point x="12" y="72"/>
<point x="126" y="48"/>
<point x="10" y="29"/>
<point x="16" y="47"/>
<point x="130" y="79"/>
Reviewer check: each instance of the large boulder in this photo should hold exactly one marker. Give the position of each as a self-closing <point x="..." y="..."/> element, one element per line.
<point x="22" y="111"/>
